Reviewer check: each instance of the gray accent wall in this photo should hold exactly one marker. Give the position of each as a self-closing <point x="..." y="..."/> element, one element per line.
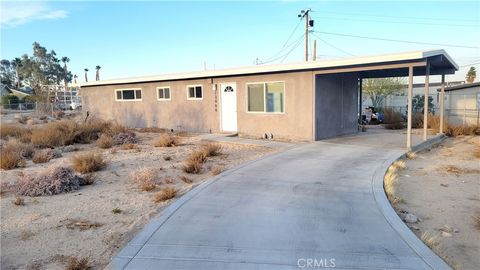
<point x="336" y="105"/>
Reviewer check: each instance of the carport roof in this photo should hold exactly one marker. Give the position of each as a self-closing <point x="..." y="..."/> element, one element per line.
<point x="440" y="63"/>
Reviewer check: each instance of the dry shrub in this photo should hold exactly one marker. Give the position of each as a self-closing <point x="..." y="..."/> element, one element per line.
<point x="19" y="201"/>
<point x="194" y="162"/>
<point x="116" y="210"/>
<point x="394" y="126"/>
<point x="80" y="224"/>
<point x="10" y="159"/>
<point x="476" y="222"/>
<point x="430" y="240"/>
<point x="87" y="179"/>
<point x="55" y="134"/>
<point x="167" y="158"/>
<point x="186" y="179"/>
<point x="78" y="264"/>
<point x="50" y="182"/>
<point x="145" y="178"/>
<point x="391" y="116"/>
<point x="129" y="146"/>
<point x="476" y="152"/>
<point x="58" y="114"/>
<point x="389" y="184"/>
<point x="212" y="149"/>
<point x="166" y="140"/>
<point x="13" y="131"/>
<point x="87" y="163"/>
<point x="45" y="155"/>
<point x="26" y="150"/>
<point x="417" y="120"/>
<point x="105" y="141"/>
<point x="411" y="155"/>
<point x="454" y="131"/>
<point x="456" y="170"/>
<point x="127" y="137"/>
<point x="23" y="120"/>
<point x="216" y="170"/>
<point x="166" y="193"/>
<point x="152" y="130"/>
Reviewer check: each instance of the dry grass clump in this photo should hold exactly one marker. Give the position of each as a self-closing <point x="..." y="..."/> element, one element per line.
<point x="127" y="137"/>
<point x="417" y="120"/>
<point x="186" y="179"/>
<point x="194" y="162"/>
<point x="392" y="119"/>
<point x="19" y="201"/>
<point x="50" y="182"/>
<point x="476" y="222"/>
<point x="456" y="170"/>
<point x="26" y="150"/>
<point x="152" y="130"/>
<point x="212" y="149"/>
<point x="45" y="155"/>
<point x="166" y="193"/>
<point x="10" y="159"/>
<point x="54" y="134"/>
<point x="216" y="170"/>
<point x="105" y="141"/>
<point x="411" y="155"/>
<point x="145" y="178"/>
<point x="389" y="183"/>
<point x="80" y="224"/>
<point x="430" y="240"/>
<point x="87" y="163"/>
<point x="166" y="140"/>
<point x="454" y="131"/>
<point x="476" y="152"/>
<point x="129" y="146"/>
<point x="14" y="131"/>
<point x="78" y="264"/>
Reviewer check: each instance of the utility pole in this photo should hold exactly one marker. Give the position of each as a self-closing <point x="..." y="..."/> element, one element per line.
<point x="308" y="23"/>
<point x="315" y="50"/>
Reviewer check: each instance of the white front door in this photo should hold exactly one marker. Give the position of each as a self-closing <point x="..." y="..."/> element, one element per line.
<point x="228" y="99"/>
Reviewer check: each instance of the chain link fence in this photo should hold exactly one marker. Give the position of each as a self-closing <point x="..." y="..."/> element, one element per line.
<point x="36" y="108"/>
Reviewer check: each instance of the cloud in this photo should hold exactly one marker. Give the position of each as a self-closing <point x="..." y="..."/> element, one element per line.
<point x="17" y="13"/>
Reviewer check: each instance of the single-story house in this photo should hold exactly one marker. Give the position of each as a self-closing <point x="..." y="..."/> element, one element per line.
<point x="462" y="104"/>
<point x="304" y="101"/>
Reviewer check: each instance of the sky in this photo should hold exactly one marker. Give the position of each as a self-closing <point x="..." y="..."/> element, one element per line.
<point x="129" y="38"/>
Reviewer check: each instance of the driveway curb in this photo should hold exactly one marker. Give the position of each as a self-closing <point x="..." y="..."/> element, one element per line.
<point x="427" y="255"/>
<point x="126" y="254"/>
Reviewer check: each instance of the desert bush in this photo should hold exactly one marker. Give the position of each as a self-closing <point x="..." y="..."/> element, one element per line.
<point x="166" y="140"/>
<point x="45" y="155"/>
<point x="417" y="120"/>
<point x="397" y="125"/>
<point x="167" y="158"/>
<point x="145" y="178"/>
<point x="129" y="146"/>
<point x="50" y="182"/>
<point x="430" y="240"/>
<point x="58" y="114"/>
<point x="23" y="120"/>
<point x="116" y="210"/>
<point x="26" y="150"/>
<point x="124" y="138"/>
<point x="216" y="170"/>
<point x="13" y="131"/>
<point x="454" y="131"/>
<point x="211" y="149"/>
<point x="19" y="201"/>
<point x="10" y="159"/>
<point x="87" y="163"/>
<point x="391" y="116"/>
<point x="87" y="179"/>
<point x="152" y="130"/>
<point x="166" y="193"/>
<point x="389" y="184"/>
<point x="78" y="264"/>
<point x="55" y="134"/>
<point x="186" y="179"/>
<point x="194" y="162"/>
<point x="105" y="141"/>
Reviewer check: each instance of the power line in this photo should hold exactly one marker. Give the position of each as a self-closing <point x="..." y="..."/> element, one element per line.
<point x="398" y="40"/>
<point x="295" y="45"/>
<point x="333" y="46"/>
<point x="282" y="49"/>
<point x="471" y="64"/>
<point x="398" y="22"/>
<point x="396" y="17"/>
<point x="293" y="32"/>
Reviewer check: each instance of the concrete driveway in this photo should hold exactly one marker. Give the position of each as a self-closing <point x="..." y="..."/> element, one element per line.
<point x="309" y="207"/>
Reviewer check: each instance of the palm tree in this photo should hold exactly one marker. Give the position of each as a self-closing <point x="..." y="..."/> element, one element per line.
<point x="75" y="78"/>
<point x="86" y="78"/>
<point x="97" y="75"/>
<point x="16" y="63"/>
<point x="65" y="60"/>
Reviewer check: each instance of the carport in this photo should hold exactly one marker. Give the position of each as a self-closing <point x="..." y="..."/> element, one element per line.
<point x="339" y="89"/>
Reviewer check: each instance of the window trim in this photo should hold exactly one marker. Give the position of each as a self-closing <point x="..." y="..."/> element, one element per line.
<point x="194" y="85"/>
<point x="124" y="89"/>
<point x="264" y="97"/>
<point x="169" y="90"/>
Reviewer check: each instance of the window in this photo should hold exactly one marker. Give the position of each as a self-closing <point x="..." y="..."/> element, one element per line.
<point x="266" y="97"/>
<point x="128" y="94"/>
<point x="163" y="93"/>
<point x="195" y="92"/>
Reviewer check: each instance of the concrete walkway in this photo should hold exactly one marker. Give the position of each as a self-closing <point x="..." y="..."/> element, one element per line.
<point x="312" y="202"/>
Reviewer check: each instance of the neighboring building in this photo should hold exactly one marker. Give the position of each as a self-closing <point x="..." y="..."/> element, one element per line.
<point x="305" y="101"/>
<point x="462" y="104"/>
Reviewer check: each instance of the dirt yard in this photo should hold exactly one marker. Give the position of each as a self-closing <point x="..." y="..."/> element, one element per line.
<point x="441" y="187"/>
<point x="95" y="221"/>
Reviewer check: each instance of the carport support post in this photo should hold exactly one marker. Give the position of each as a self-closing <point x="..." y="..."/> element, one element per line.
<point x="409" y="108"/>
<point x="442" y="103"/>
<point x="360" y="82"/>
<point x="425" y="105"/>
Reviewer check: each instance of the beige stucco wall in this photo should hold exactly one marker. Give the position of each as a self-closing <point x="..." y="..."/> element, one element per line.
<point x="203" y="115"/>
